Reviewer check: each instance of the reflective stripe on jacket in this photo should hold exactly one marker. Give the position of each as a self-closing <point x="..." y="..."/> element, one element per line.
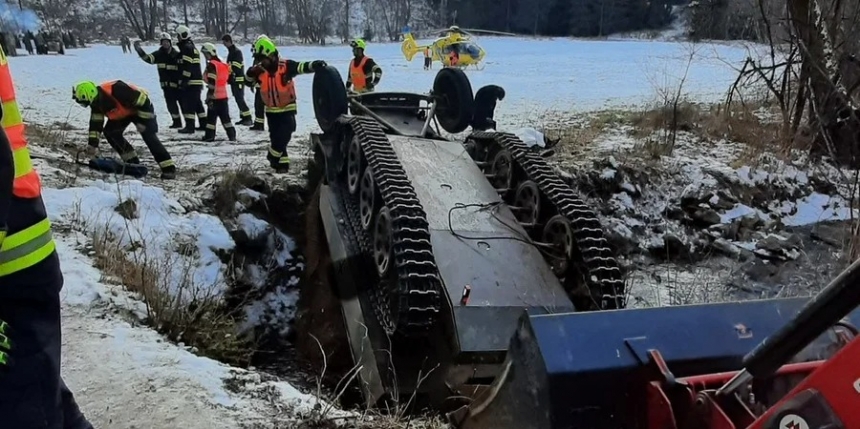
<point x="277" y="91"/>
<point x="22" y="248"/>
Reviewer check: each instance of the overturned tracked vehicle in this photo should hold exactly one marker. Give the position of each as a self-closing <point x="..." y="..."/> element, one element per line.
<point x="438" y="246"/>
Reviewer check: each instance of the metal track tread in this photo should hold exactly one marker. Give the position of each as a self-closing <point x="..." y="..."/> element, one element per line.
<point x="602" y="272"/>
<point x="383" y="288"/>
<point x="418" y="282"/>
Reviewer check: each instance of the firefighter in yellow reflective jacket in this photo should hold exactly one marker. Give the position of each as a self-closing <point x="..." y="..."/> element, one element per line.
<point x="217" y="76"/>
<point x="237" y="66"/>
<point x="190" y="81"/>
<point x="278" y="91"/>
<point x="32" y="392"/>
<point x="364" y="74"/>
<point x="122" y="104"/>
<point x="166" y="59"/>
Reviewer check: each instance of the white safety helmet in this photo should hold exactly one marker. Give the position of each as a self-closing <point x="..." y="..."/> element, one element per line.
<point x="165" y="36"/>
<point x="209" y="49"/>
<point x="183" y="33"/>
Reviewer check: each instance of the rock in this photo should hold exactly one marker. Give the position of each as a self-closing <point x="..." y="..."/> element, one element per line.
<point x="759" y="271"/>
<point x="621" y="238"/>
<point x="675" y="213"/>
<point x="823" y="185"/>
<point x="776" y="247"/>
<point x="705" y="217"/>
<point x="671" y="248"/>
<point x="727" y="197"/>
<point x="720" y="203"/>
<point x="724" y="247"/>
<point x="127" y="209"/>
<point x="832" y="233"/>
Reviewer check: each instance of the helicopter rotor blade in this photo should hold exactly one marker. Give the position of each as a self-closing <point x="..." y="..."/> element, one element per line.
<point x="478" y="30"/>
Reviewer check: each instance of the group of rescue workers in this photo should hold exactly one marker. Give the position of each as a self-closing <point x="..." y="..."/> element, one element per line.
<point x="182" y="79"/>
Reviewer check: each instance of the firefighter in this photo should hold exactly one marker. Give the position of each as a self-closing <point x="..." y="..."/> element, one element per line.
<point x="217" y="76"/>
<point x="278" y="92"/>
<point x="236" y="62"/>
<point x="364" y="74"/>
<point x="32" y="392"/>
<point x="166" y="58"/>
<point x="122" y="104"/>
<point x="259" y="107"/>
<point x="190" y="81"/>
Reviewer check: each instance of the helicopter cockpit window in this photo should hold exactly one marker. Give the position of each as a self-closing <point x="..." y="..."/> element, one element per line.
<point x="470" y="48"/>
<point x="454" y="47"/>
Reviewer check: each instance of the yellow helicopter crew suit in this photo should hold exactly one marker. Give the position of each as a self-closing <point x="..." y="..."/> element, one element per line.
<point x="364" y="74"/>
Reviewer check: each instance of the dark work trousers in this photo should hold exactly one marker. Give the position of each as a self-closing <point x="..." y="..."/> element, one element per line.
<point x="219" y="109"/>
<point x="239" y="95"/>
<point x="171" y="98"/>
<point x="282" y="125"/>
<point x="259" y="109"/>
<point x="32" y="392"/>
<point x="148" y="129"/>
<point x="191" y="104"/>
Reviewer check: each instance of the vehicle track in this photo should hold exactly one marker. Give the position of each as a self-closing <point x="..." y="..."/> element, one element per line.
<point x="592" y="257"/>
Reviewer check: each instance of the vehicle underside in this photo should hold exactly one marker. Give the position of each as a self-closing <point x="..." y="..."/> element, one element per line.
<point x="472" y="279"/>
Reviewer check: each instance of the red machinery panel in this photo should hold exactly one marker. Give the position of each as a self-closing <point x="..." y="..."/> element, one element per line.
<point x="829" y="398"/>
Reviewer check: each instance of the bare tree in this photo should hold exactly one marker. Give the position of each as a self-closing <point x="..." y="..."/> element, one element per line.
<point x="142" y="15"/>
<point x="393" y="15"/>
<point x="312" y="18"/>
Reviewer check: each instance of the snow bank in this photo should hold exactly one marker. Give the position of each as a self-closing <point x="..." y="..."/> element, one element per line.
<point x="137" y="364"/>
<point x="150" y="225"/>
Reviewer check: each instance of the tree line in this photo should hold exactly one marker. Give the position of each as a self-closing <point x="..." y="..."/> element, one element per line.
<point x="312" y="21"/>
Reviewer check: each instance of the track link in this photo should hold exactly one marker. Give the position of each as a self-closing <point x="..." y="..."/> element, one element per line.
<point x="416" y="286"/>
<point x="592" y="256"/>
<point x="383" y="289"/>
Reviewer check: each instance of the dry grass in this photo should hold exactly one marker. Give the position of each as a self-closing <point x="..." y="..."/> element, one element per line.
<point x="736" y="123"/>
<point x="576" y="134"/>
<point x="375" y="421"/>
<point x="227" y="190"/>
<point x="200" y="321"/>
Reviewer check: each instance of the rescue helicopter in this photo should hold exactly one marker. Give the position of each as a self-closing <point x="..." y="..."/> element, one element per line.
<point x="456" y="47"/>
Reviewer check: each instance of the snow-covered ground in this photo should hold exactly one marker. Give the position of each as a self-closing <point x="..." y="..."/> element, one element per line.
<point x="124" y="375"/>
<point x="538" y="76"/>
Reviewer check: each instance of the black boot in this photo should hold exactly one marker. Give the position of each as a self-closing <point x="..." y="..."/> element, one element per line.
<point x="177" y="123"/>
<point x="247" y="121"/>
<point x="257" y="127"/>
<point x="202" y="126"/>
<point x="231" y="134"/>
<point x="209" y="136"/>
<point x="281" y="165"/>
<point x="168" y="173"/>
<point x="189" y="128"/>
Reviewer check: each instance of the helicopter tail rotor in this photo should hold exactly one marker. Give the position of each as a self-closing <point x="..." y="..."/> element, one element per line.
<point x="409" y="47"/>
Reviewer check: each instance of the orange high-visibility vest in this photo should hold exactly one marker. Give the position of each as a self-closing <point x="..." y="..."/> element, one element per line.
<point x="119" y="111"/>
<point x="222" y="75"/>
<point x="356" y="73"/>
<point x="26" y="247"/>
<point x="27" y="182"/>
<point x="277" y="95"/>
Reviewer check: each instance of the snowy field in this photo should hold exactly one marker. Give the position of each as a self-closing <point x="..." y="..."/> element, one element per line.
<point x="121" y="372"/>
<point x="538" y="75"/>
